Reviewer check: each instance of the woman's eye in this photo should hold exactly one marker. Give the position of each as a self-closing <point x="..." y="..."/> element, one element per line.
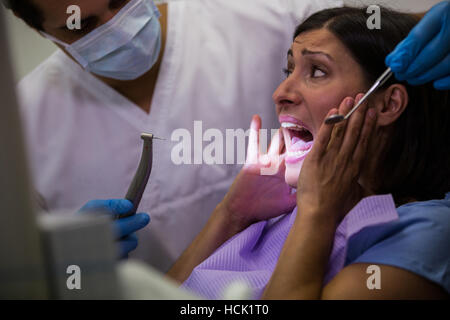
<point x="317" y="73"/>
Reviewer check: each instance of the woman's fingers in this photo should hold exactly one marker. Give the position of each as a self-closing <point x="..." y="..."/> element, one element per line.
<point x="270" y="161"/>
<point x="337" y="135"/>
<point x="342" y="137"/>
<point x="281" y="165"/>
<point x="254" y="156"/>
<point x="361" y="147"/>
<point x="277" y="144"/>
<point x="354" y="127"/>
<point x="323" y="137"/>
<point x="253" y="142"/>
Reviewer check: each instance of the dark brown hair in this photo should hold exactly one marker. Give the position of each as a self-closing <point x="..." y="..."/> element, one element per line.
<point x="416" y="163"/>
<point x="27" y="11"/>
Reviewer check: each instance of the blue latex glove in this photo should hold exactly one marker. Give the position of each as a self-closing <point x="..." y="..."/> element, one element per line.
<point x="124" y="228"/>
<point x="424" y="55"/>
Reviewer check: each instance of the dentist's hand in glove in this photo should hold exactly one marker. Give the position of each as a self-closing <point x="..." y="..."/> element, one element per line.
<point x="424" y="55"/>
<point x="259" y="192"/>
<point x="125" y="228"/>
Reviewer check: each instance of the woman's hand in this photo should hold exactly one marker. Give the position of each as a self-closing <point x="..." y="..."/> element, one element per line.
<point x="259" y="192"/>
<point x="328" y="183"/>
<point x="327" y="189"/>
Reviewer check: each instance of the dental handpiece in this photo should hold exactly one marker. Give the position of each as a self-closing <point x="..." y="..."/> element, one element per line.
<point x="140" y="179"/>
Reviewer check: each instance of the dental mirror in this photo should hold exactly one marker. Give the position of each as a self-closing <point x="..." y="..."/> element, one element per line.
<point x="336" y="118"/>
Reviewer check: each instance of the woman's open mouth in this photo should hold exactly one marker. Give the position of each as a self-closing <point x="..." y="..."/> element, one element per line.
<point x="298" y="139"/>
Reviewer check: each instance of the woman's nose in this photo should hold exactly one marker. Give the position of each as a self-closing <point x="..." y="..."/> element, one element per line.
<point x="286" y="94"/>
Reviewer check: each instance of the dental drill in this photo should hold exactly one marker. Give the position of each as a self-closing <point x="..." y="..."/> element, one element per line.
<point x="139" y="182"/>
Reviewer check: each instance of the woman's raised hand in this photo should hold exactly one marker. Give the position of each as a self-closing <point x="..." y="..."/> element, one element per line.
<point x="328" y="183"/>
<point x="259" y="192"/>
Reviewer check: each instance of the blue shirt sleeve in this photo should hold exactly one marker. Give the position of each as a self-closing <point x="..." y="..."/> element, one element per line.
<point x="419" y="241"/>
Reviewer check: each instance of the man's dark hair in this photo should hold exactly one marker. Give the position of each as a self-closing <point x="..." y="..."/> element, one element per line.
<point x="416" y="163"/>
<point x="27" y="11"/>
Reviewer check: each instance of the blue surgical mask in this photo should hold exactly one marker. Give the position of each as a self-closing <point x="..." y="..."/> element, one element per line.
<point x="125" y="47"/>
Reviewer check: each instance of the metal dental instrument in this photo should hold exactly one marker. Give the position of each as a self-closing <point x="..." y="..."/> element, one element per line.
<point x="142" y="174"/>
<point x="336" y="118"/>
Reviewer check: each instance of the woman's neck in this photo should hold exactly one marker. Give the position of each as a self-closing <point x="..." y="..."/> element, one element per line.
<point x="371" y="179"/>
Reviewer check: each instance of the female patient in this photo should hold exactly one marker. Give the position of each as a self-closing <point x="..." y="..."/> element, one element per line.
<point x="370" y="191"/>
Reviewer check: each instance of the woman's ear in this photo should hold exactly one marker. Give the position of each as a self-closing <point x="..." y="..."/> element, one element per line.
<point x="392" y="103"/>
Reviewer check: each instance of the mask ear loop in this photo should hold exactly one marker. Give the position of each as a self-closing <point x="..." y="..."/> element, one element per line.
<point x="68" y="48"/>
<point x="156" y="11"/>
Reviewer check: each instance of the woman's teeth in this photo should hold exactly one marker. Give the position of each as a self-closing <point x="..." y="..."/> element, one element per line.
<point x="293" y="126"/>
<point x="297" y="154"/>
<point x="297" y="148"/>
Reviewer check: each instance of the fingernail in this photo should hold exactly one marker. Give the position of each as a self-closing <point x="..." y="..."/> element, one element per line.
<point x="358" y="97"/>
<point x="254" y="124"/>
<point x="349" y="102"/>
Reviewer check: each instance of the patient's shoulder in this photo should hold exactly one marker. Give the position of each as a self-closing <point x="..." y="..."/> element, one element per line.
<point x="418" y="241"/>
<point x="415" y="220"/>
<point x="436" y="212"/>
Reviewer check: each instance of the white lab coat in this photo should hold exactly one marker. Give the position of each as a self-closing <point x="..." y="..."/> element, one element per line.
<point x="222" y="62"/>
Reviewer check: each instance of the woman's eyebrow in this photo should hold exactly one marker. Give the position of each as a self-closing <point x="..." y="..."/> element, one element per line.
<point x="309" y="52"/>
